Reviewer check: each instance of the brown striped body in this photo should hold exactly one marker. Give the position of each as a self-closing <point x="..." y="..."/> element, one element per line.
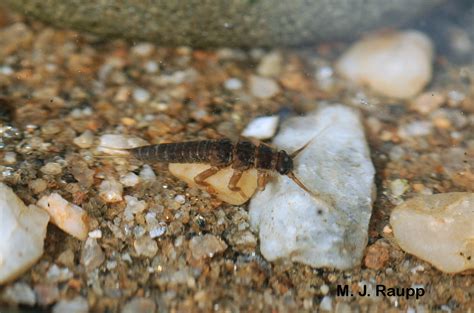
<point x="219" y="153"/>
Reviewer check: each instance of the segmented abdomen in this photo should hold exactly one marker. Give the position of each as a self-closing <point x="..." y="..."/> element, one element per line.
<point x="184" y="152"/>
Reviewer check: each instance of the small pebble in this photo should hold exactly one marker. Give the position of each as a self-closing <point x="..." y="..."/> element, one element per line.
<point x="133" y="207"/>
<point x="10" y="157"/>
<point x="22" y="233"/>
<point x="56" y="274"/>
<point x="262" y="127"/>
<point x="97" y="233"/>
<point x="398" y="187"/>
<point x="206" y="246"/>
<point x="46" y="294"/>
<point x="117" y="144"/>
<point x="67" y="216"/>
<point x="76" y="305"/>
<point x="19" y="293"/>
<point x="262" y="87"/>
<point x="92" y="255"/>
<point x="415" y="129"/>
<point x="38" y="185"/>
<point x="438" y="229"/>
<point x="158" y="231"/>
<point x="145" y="246"/>
<point x="428" y="102"/>
<point x="324" y="289"/>
<point x="139" y="305"/>
<point x="233" y="84"/>
<point x="51" y="168"/>
<point x="326" y="304"/>
<point x="143" y="49"/>
<point x="141" y="95"/>
<point x="270" y="65"/>
<point x="111" y="191"/>
<point x="397" y="64"/>
<point x="85" y="140"/>
<point x="147" y="174"/>
<point x="180" y="199"/>
<point x="130" y="179"/>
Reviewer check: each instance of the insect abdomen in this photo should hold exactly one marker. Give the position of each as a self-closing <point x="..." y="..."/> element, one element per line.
<point x="204" y="151"/>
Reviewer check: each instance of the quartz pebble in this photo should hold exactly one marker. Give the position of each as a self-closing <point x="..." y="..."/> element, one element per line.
<point x="118" y="144"/>
<point x="145" y="246"/>
<point x="133" y="207"/>
<point x="262" y="87"/>
<point x="233" y="84"/>
<point x="438" y="229"/>
<point x="67" y="216"/>
<point x="76" y="305"/>
<point x="51" y="168"/>
<point x="206" y="246"/>
<point x="262" y="127"/>
<point x="130" y="179"/>
<point x="20" y="293"/>
<point x="111" y="191"/>
<point x="396" y="64"/>
<point x="22" y="233"/>
<point x="331" y="230"/>
<point x="139" y="305"/>
<point x="218" y="182"/>
<point x="147" y="174"/>
<point x="85" y="140"/>
<point x="92" y="255"/>
<point x="270" y="65"/>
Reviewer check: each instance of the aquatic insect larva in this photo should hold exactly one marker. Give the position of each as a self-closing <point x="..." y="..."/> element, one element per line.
<point x="222" y="153"/>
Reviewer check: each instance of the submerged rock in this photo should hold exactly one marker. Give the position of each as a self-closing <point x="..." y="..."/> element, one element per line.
<point x="67" y="216"/>
<point x="438" y="229"/>
<point x="22" y="233"/>
<point x="331" y="230"/>
<point x="204" y="24"/>
<point x="394" y="64"/>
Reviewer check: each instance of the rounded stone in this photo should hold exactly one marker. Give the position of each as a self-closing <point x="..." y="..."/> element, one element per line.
<point x="217" y="23"/>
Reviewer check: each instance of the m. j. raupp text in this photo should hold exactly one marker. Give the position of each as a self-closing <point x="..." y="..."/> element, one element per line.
<point x="381" y="291"/>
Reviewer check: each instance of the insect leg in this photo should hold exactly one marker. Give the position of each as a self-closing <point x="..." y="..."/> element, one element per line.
<point x="234" y="180"/>
<point x="201" y="177"/>
<point x="261" y="180"/>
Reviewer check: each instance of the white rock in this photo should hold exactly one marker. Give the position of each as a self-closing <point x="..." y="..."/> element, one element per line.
<point x="396" y="64"/>
<point x="134" y="206"/>
<point x="330" y="231"/>
<point x="67" y="216"/>
<point x="85" y="140"/>
<point x="326" y="304"/>
<point x="19" y="293"/>
<point x="147" y="174"/>
<point x="262" y="127"/>
<point x="22" y="233"/>
<point x="130" y="179"/>
<point x="262" y="87"/>
<point x="438" y="229"/>
<point x="111" y="191"/>
<point x="141" y="95"/>
<point x="233" y="84"/>
<point x="77" y="305"/>
<point x="118" y="144"/>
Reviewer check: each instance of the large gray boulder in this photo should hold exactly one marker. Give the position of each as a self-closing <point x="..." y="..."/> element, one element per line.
<point x="224" y="23"/>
